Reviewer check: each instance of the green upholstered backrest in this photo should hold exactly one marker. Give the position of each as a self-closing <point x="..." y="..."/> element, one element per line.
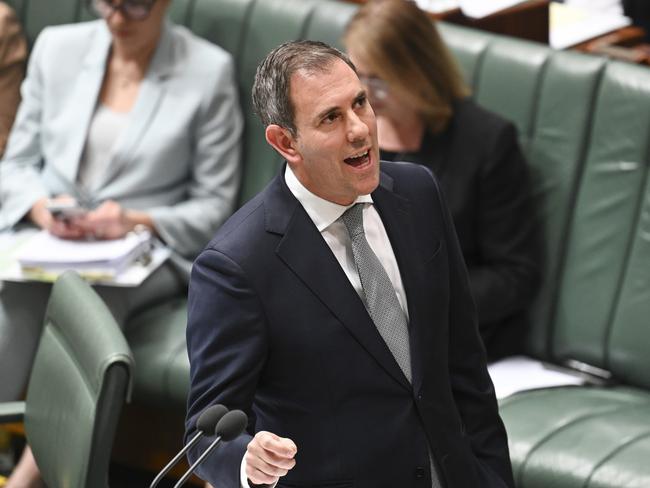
<point x="584" y="127"/>
<point x="77" y="387"/>
<point x="270" y="23"/>
<point x="606" y="216"/>
<point x="549" y="103"/>
<point x="620" y="195"/>
<point x="583" y="124"/>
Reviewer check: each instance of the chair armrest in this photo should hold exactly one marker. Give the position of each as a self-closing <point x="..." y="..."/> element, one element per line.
<point x="11" y="412"/>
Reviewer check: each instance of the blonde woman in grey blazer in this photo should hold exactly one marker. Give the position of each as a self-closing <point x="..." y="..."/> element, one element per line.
<point x="142" y="116"/>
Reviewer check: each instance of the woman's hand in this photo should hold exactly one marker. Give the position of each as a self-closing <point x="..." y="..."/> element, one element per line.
<point x="64" y="228"/>
<point x="108" y="221"/>
<point x="112" y="221"/>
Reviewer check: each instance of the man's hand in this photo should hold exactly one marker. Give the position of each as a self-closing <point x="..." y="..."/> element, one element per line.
<point x="269" y="457"/>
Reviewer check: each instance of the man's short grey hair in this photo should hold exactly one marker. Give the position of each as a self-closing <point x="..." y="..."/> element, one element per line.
<point x="271" y="90"/>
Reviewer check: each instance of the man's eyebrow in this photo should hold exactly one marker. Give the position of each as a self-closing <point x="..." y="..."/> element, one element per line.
<point x="361" y="94"/>
<point x="327" y="112"/>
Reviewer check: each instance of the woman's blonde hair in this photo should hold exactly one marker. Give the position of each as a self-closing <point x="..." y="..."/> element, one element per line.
<point x="400" y="44"/>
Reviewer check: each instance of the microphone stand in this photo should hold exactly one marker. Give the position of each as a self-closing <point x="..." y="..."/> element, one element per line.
<point x="176" y="458"/>
<point x="205" y="454"/>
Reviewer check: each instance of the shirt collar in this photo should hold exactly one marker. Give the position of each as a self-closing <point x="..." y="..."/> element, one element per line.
<point x="322" y="212"/>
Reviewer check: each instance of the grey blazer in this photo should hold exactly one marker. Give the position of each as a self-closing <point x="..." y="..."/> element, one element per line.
<point x="178" y="157"/>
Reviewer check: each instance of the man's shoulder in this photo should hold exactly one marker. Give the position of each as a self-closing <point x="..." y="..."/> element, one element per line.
<point x="242" y="231"/>
<point x="404" y="169"/>
<point x="413" y="183"/>
<point x="407" y="177"/>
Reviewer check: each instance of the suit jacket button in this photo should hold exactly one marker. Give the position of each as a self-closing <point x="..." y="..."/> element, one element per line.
<point x="420" y="472"/>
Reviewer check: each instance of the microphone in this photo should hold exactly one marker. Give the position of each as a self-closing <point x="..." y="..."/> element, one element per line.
<point x="230" y="426"/>
<point x="205" y="425"/>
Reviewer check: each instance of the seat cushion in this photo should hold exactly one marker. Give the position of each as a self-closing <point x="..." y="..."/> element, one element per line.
<point x="579" y="436"/>
<point x="162" y="369"/>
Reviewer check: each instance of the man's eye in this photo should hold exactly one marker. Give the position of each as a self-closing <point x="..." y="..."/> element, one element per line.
<point x="360" y="102"/>
<point x="330" y="118"/>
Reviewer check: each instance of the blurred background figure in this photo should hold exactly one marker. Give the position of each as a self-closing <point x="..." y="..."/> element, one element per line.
<point x="139" y="120"/>
<point x="639" y="12"/>
<point x="424" y="116"/>
<point x="13" y="53"/>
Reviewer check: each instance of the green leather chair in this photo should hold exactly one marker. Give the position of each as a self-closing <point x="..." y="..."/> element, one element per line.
<point x="78" y="385"/>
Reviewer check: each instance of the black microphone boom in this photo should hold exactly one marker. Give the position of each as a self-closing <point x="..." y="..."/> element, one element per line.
<point x="205" y="425"/>
<point x="230" y="426"/>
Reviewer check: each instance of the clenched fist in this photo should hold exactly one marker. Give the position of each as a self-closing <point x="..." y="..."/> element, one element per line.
<point x="269" y="457"/>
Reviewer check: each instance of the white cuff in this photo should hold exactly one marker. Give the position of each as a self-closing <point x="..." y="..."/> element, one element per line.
<point x="243" y="479"/>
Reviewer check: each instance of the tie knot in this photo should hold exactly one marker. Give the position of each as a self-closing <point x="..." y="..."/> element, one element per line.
<point x="353" y="219"/>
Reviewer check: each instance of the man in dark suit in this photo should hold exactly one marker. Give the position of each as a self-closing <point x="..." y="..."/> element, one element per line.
<point x="334" y="308"/>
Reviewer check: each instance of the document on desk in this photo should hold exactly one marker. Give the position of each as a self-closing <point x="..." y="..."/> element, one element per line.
<point x="30" y="255"/>
<point x="437" y="6"/>
<point x="477" y="9"/>
<point x="571" y="25"/>
<point x="521" y="373"/>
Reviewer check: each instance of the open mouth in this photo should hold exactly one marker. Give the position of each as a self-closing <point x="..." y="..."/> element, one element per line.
<point x="358" y="159"/>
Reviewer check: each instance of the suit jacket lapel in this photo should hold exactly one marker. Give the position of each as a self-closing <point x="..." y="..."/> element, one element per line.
<point x="285" y="215"/>
<point x="86" y="91"/>
<point x="395" y="212"/>
<point x="148" y="101"/>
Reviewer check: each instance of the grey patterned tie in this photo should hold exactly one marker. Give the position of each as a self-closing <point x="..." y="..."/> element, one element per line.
<point x="380" y="298"/>
<point x="381" y="301"/>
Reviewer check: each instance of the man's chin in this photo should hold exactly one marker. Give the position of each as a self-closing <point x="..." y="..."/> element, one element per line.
<point x="369" y="184"/>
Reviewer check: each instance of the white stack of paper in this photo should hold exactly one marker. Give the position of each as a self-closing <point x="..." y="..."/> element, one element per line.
<point x="571" y="24"/>
<point x="520" y="373"/>
<point x="437" y="6"/>
<point x="482" y="8"/>
<point x="45" y="254"/>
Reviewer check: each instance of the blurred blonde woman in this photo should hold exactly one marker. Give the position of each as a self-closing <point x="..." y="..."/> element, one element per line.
<point x="424" y="116"/>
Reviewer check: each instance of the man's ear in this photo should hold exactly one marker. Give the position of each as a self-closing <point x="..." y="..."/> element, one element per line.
<point x="283" y="142"/>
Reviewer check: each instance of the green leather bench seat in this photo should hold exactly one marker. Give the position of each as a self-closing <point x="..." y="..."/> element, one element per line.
<point x="157" y="340"/>
<point x="579" y="437"/>
<point x="584" y="124"/>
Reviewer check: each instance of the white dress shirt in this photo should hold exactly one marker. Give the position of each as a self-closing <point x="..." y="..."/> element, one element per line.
<point x="325" y="216"/>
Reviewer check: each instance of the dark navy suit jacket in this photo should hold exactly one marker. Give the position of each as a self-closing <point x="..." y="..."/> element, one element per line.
<point x="276" y="329"/>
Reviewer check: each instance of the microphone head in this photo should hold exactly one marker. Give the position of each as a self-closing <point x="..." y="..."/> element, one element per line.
<point x="231" y="425"/>
<point x="209" y="418"/>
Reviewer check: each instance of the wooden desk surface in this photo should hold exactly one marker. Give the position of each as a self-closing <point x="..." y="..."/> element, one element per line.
<point x="526" y="20"/>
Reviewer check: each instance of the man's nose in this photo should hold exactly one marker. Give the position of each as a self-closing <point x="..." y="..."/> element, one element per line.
<point x="357" y="129"/>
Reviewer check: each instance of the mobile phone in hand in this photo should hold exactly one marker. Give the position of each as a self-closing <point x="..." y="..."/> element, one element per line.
<point x="65" y="210"/>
